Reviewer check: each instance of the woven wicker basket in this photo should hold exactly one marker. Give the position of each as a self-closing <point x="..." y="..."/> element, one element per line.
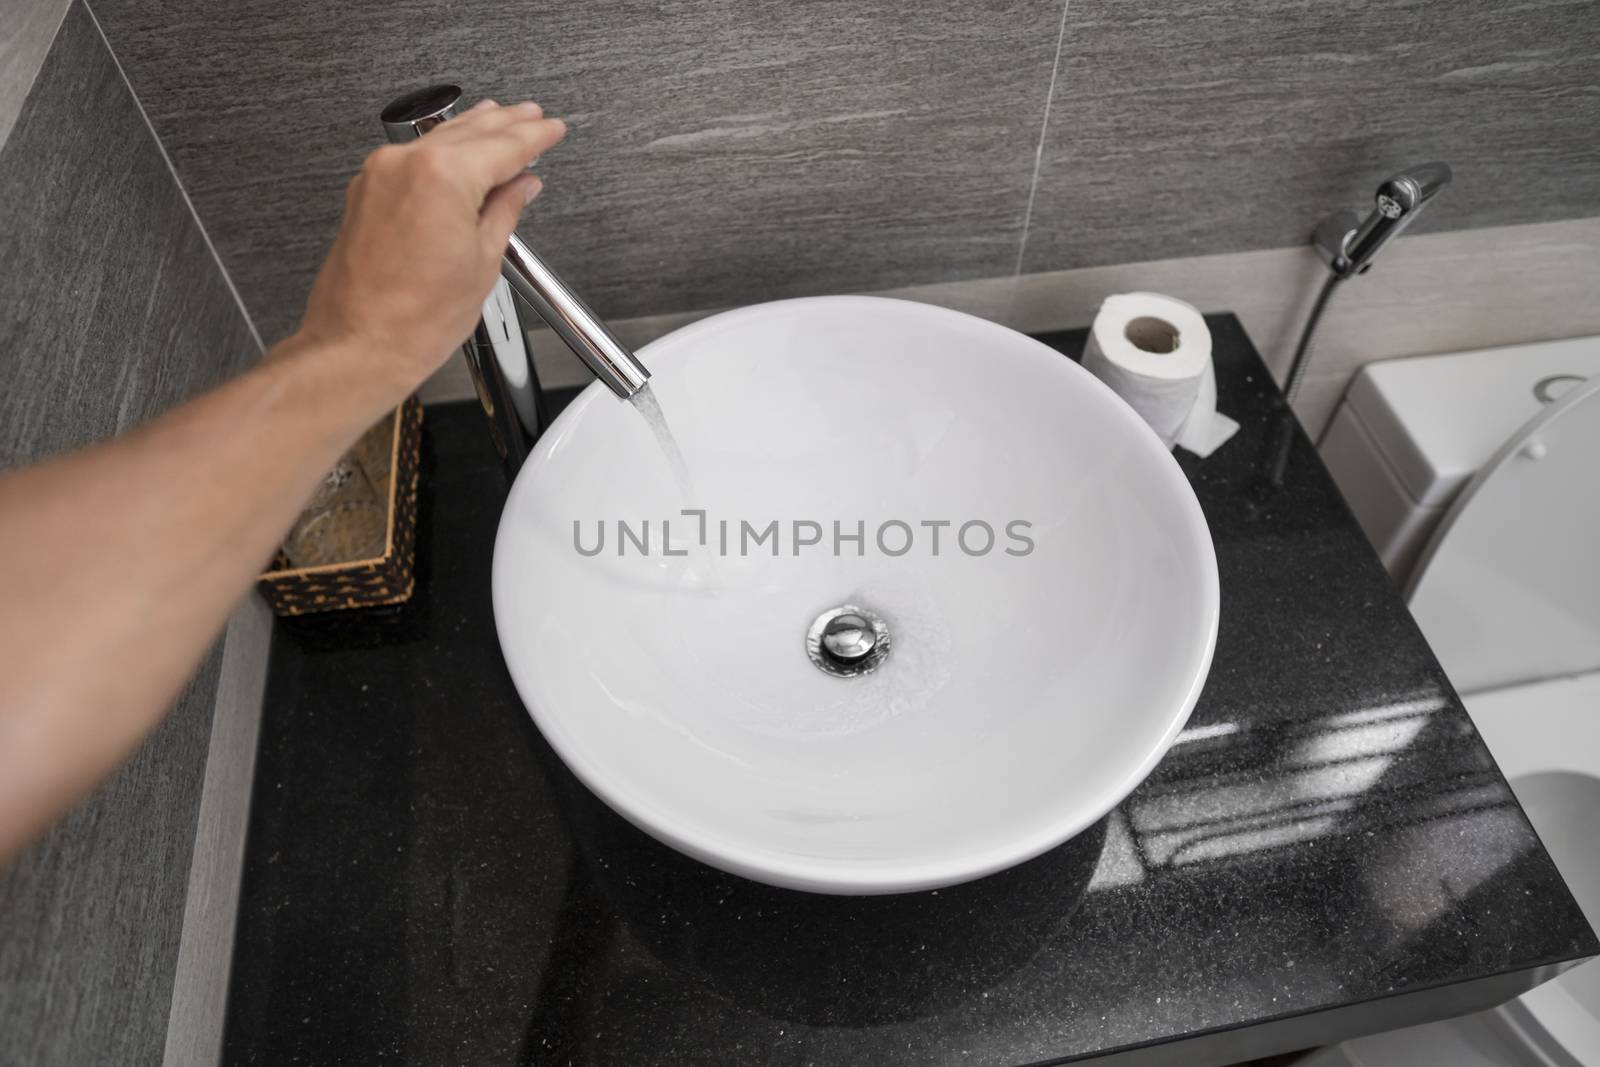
<point x="388" y="579"/>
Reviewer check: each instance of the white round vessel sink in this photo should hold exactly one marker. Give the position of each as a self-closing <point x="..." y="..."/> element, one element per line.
<point x="992" y="696"/>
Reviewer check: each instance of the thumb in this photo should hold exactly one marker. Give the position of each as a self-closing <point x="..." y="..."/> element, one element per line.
<point x="503" y="206"/>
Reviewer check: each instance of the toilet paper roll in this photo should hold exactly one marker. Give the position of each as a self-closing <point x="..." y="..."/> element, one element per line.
<point x="1154" y="351"/>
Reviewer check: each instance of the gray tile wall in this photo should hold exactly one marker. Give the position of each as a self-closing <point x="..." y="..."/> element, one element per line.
<point x="112" y="308"/>
<point x="725" y="151"/>
<point x="26" y="29"/>
<point x="721" y="150"/>
<point x="1228" y="125"/>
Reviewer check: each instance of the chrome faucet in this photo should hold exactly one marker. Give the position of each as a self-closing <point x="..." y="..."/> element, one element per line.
<point x="510" y="395"/>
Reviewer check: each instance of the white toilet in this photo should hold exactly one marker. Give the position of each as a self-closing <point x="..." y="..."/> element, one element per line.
<point x="1477" y="476"/>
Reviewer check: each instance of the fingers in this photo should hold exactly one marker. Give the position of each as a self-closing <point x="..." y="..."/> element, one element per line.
<point x="495" y="156"/>
<point x="486" y="115"/>
<point x="504" y="206"/>
<point x="488" y="145"/>
<point x="472" y="155"/>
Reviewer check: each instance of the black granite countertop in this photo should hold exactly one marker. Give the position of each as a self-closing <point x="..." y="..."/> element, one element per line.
<point x="1328" y="850"/>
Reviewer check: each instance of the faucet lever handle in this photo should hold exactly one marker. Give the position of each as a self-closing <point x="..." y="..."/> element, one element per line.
<point x="409" y="117"/>
<point x="414" y="114"/>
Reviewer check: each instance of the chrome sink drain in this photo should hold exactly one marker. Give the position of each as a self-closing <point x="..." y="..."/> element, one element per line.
<point x="847" y="641"/>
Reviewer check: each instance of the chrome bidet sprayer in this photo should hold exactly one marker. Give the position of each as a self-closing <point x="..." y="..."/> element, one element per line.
<point x="1348" y="244"/>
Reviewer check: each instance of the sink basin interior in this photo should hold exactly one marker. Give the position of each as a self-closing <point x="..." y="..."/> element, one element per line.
<point x="1036" y="674"/>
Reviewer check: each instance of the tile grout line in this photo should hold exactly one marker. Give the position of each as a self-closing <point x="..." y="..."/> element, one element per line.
<point x="1044" y="130"/>
<point x="227" y="279"/>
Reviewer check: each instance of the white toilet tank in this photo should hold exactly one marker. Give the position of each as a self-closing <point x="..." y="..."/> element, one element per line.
<point x="1411" y="433"/>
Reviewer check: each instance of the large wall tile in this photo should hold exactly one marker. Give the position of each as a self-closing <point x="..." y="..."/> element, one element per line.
<point x="721" y="151"/>
<point x="1225" y="125"/>
<point x="26" y="29"/>
<point x="112" y="308"/>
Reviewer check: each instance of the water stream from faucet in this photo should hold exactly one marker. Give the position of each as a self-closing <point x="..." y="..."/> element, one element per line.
<point x="649" y="408"/>
<point x="700" y="570"/>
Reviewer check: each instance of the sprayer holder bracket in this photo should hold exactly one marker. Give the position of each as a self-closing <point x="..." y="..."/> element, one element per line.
<point x="1332" y="237"/>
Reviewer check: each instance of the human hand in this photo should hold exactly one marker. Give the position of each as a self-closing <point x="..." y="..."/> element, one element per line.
<point x="424" y="228"/>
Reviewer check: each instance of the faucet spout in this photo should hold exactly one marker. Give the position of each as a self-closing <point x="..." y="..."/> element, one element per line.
<point x="414" y="114"/>
<point x="571" y="320"/>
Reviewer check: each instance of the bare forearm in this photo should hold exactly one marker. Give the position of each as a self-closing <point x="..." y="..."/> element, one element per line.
<point x="120" y="563"/>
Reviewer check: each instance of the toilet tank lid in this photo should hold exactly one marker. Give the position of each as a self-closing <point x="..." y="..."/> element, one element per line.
<point x="1438" y="419"/>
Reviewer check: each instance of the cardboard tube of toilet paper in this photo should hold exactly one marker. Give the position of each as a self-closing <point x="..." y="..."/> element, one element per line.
<point x="1153" y="351"/>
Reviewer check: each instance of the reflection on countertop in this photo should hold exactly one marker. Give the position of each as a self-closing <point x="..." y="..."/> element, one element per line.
<point x="1328" y="849"/>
